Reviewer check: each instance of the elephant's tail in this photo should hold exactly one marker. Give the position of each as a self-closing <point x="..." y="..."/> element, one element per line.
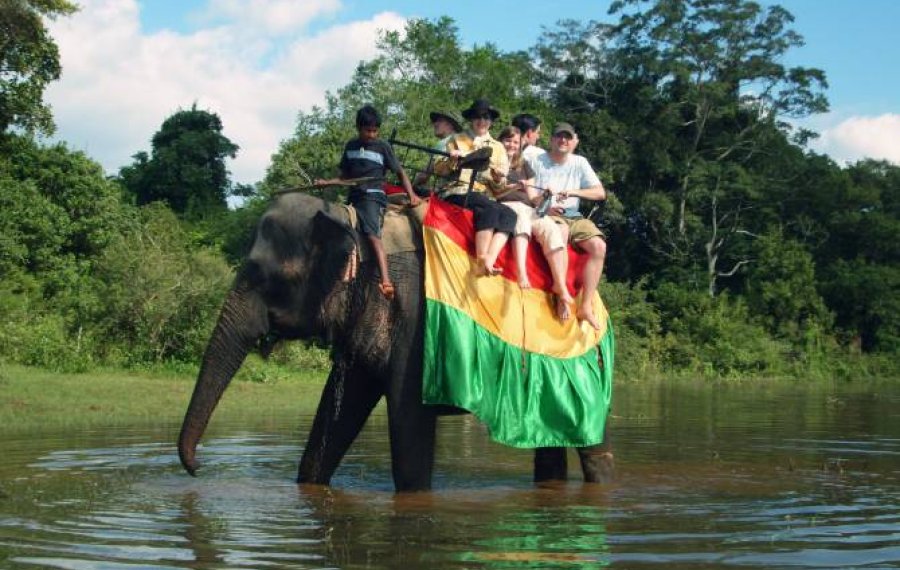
<point x="242" y="322"/>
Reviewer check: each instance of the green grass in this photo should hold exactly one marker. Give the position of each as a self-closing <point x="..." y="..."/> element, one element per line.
<point x="34" y="399"/>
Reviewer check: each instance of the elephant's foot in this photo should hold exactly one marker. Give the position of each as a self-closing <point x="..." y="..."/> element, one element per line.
<point x="598" y="467"/>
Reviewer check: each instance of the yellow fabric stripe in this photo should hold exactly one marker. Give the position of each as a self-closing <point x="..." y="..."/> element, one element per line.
<point x="522" y="318"/>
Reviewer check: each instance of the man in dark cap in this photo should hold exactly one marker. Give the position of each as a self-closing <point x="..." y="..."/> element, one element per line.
<point x="445" y="125"/>
<point x="570" y="179"/>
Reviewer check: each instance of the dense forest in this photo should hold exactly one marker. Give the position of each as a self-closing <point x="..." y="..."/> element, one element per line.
<point x="734" y="250"/>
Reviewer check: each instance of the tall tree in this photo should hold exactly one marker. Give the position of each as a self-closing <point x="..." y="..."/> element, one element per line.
<point x="187" y="166"/>
<point x="699" y="91"/>
<point x="422" y="69"/>
<point x="29" y="61"/>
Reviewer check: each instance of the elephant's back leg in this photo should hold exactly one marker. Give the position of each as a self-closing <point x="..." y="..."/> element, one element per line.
<point x="347" y="400"/>
<point x="597" y="462"/>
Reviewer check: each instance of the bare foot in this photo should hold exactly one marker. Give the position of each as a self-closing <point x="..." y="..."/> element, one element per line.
<point x="387" y="289"/>
<point x="562" y="307"/>
<point x="483" y="269"/>
<point x="587" y="314"/>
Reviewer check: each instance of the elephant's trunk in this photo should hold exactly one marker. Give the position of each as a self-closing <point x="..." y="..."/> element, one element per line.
<point x="241" y="323"/>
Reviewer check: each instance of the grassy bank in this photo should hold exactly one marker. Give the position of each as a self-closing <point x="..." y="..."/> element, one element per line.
<point x="37" y="399"/>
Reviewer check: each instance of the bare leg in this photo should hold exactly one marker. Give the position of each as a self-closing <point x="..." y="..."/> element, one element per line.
<point x="482" y="243"/>
<point x="593" y="269"/>
<point x="559" y="264"/>
<point x="386" y="287"/>
<point x="520" y="249"/>
<point x="498" y="240"/>
<point x="552" y="238"/>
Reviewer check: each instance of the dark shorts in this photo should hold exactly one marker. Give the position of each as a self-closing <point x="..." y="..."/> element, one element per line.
<point x="370" y="213"/>
<point x="486" y="213"/>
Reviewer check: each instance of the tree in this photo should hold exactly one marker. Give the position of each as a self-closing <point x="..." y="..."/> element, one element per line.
<point x="699" y="91"/>
<point x="783" y="288"/>
<point x="29" y="61"/>
<point x="187" y="166"/>
<point x="417" y="71"/>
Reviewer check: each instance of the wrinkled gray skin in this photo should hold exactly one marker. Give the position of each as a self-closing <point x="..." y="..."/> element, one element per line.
<point x="290" y="287"/>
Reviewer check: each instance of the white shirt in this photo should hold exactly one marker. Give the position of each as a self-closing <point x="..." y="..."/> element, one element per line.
<point x="530" y="153"/>
<point x="575" y="173"/>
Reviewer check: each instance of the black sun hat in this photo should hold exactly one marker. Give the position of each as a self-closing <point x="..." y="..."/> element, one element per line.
<point x="478" y="107"/>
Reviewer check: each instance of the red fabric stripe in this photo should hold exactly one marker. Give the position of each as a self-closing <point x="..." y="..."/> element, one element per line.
<point x="456" y="223"/>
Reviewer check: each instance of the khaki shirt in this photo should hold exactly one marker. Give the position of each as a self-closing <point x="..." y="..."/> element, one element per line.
<point x="484" y="182"/>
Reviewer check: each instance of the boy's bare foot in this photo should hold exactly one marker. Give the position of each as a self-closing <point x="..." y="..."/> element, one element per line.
<point x="587" y="314"/>
<point x="387" y="289"/>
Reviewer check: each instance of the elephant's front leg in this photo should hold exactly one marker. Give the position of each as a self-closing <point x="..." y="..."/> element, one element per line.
<point x="347" y="400"/>
<point x="412" y="424"/>
<point x="412" y="427"/>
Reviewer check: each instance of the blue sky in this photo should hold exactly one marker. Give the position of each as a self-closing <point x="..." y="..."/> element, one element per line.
<point x="257" y="62"/>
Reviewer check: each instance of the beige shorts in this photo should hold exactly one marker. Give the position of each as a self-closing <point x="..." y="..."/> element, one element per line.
<point x="545" y="231"/>
<point x="580" y="229"/>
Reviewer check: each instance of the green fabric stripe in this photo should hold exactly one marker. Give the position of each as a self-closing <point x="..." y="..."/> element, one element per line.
<point x="553" y="402"/>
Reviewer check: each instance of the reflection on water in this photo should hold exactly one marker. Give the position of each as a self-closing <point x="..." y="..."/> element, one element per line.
<point x="709" y="477"/>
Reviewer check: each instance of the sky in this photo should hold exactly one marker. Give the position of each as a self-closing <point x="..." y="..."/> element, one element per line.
<point x="130" y="64"/>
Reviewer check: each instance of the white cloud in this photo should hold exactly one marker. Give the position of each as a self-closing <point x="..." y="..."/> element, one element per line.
<point x="270" y="16"/>
<point x="855" y="138"/>
<point x="119" y="84"/>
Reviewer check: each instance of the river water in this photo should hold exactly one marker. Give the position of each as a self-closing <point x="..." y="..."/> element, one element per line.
<point x="708" y="476"/>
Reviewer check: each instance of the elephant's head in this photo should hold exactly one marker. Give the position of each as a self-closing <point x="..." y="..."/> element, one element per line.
<point x="289" y="286"/>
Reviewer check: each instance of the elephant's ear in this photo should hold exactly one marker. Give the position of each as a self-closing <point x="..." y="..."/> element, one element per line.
<point x="333" y="242"/>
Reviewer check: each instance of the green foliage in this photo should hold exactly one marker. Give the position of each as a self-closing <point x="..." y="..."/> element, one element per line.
<point x="187" y="167"/>
<point x="423" y="69"/>
<point x="782" y="288"/>
<point x="866" y="298"/>
<point x="637" y="327"/>
<point x="715" y="336"/>
<point x="31" y="335"/>
<point x="29" y="61"/>
<point x="733" y="251"/>
<point x="161" y="296"/>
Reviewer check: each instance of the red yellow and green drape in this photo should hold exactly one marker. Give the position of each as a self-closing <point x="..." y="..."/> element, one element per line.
<point x="500" y="352"/>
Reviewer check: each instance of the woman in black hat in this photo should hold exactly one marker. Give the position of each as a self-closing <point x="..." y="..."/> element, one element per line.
<point x="494" y="222"/>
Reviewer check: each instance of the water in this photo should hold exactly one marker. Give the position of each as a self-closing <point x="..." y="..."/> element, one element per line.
<point x="708" y="477"/>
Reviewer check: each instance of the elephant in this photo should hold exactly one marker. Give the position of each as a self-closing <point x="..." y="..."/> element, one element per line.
<point x="293" y="285"/>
